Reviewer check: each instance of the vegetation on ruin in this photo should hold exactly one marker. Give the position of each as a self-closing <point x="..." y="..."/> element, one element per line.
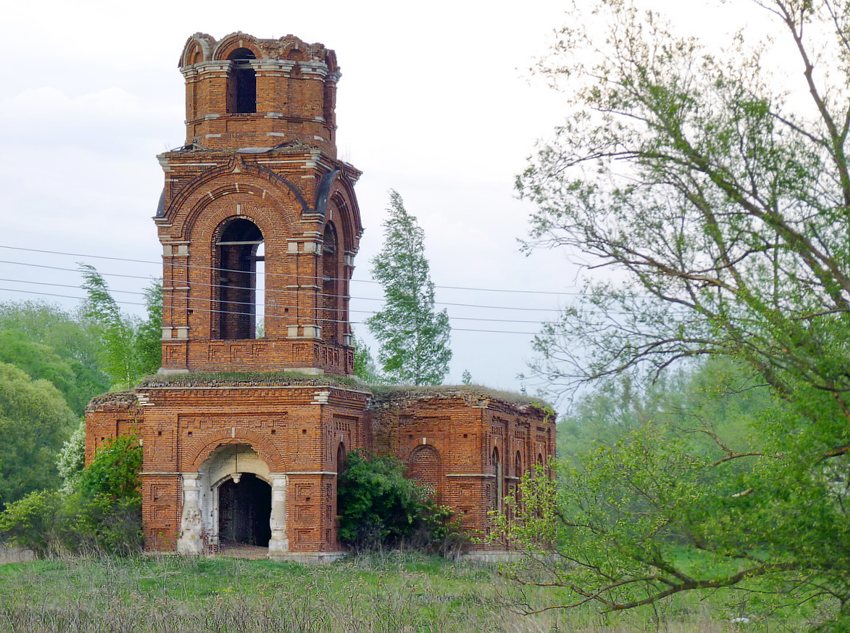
<point x="265" y="378"/>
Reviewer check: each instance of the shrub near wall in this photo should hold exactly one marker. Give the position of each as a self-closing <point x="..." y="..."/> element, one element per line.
<point x="103" y="513"/>
<point x="380" y="507"/>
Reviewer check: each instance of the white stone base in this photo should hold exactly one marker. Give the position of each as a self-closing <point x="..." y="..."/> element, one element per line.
<point x="15" y="555"/>
<point x="307" y="558"/>
<point x="164" y="371"/>
<point x="491" y="556"/>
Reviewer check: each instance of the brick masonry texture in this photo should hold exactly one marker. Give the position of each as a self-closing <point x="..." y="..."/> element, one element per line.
<point x="259" y="171"/>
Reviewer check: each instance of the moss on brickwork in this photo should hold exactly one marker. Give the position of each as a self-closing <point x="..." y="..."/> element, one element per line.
<point x="393" y="395"/>
<point x="113" y="401"/>
<point x="250" y="379"/>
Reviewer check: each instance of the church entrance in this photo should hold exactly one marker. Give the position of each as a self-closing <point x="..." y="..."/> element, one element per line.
<point x="244" y="509"/>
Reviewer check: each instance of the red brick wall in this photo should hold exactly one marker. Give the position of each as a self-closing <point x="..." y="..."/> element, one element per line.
<point x="288" y="428"/>
<point x="459" y="434"/>
<point x="295" y="100"/>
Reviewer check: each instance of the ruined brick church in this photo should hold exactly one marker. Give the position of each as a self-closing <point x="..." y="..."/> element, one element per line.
<point x="247" y="425"/>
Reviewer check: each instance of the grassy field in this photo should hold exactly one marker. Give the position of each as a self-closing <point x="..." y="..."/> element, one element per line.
<point x="391" y="593"/>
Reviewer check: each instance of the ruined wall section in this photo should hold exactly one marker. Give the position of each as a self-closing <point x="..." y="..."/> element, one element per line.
<point x="295" y="93"/>
<point x="456" y="442"/>
<point x="110" y="416"/>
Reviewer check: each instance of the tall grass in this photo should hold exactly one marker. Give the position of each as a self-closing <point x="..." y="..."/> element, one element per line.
<point x="389" y="593"/>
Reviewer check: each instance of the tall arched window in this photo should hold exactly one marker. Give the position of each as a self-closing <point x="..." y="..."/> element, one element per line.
<point x="241" y="82"/>
<point x="331" y="316"/>
<point x="238" y="252"/>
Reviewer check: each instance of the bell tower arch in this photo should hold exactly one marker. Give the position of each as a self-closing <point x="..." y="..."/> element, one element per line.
<point x="258" y="219"/>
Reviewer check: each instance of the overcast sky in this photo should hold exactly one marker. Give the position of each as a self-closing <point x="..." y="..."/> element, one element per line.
<point x="436" y="100"/>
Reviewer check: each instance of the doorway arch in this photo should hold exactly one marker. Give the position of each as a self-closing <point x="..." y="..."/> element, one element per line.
<point x="232" y="502"/>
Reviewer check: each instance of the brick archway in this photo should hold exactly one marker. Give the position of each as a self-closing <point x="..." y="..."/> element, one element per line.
<point x="264" y="448"/>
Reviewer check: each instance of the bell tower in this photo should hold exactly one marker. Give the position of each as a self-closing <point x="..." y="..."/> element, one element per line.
<point x="258" y="219"/>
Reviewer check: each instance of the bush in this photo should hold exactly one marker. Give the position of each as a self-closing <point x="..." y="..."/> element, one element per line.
<point x="380" y="507"/>
<point x="103" y="513"/>
<point x="34" y="521"/>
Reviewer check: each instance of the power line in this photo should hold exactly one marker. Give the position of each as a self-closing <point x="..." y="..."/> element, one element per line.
<point x="265" y="316"/>
<point x="284" y="290"/>
<point x="369" y="281"/>
<point x="252" y="303"/>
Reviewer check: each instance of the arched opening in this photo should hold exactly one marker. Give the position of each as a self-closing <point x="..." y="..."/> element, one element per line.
<point x="340" y="458"/>
<point x="239" y="288"/>
<point x="424" y="466"/>
<point x="241" y="82"/>
<point x="229" y="502"/>
<point x="331" y="315"/>
<point x="244" y="510"/>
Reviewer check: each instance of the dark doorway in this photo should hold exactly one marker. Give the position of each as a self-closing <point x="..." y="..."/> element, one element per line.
<point x="244" y="510"/>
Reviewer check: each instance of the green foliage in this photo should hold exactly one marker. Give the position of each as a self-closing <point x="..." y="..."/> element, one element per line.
<point x="48" y="343"/>
<point x="466" y="378"/>
<point x="724" y="206"/>
<point x="34" y="522"/>
<point x="380" y="507"/>
<point x="34" y="422"/>
<point x="364" y="365"/>
<point x="700" y="482"/>
<point x="414" y="337"/>
<point x="103" y="511"/>
<point x="129" y="348"/>
<point x="718" y="397"/>
<point x="114" y="471"/>
<point x="148" y="340"/>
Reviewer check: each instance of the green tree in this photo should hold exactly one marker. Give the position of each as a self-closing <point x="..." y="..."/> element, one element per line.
<point x="130" y="348"/>
<point x="414" y="337"/>
<point x="72" y="459"/>
<point x="364" y="365"/>
<point x="724" y="203"/>
<point x="48" y="343"/>
<point x="34" y="422"/>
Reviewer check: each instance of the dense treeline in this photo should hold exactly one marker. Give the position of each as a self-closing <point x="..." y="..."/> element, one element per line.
<point x="52" y="363"/>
